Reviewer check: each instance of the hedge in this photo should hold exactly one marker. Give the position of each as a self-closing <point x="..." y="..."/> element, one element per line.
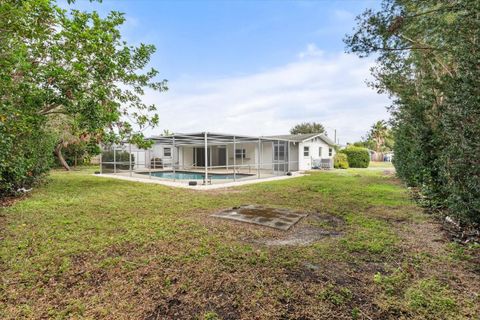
<point x="357" y="157"/>
<point x="340" y="161"/>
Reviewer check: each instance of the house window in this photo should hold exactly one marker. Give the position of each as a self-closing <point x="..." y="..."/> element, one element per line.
<point x="240" y="153"/>
<point x="330" y="152"/>
<point x="306" y="151"/>
<point x="167" y="152"/>
<point x="320" y="152"/>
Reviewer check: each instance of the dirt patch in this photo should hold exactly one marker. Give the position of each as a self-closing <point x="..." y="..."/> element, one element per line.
<point x="316" y="227"/>
<point x="10" y="201"/>
<point x="389" y="172"/>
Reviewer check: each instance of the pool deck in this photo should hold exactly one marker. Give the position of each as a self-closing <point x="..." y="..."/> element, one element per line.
<point x="184" y="184"/>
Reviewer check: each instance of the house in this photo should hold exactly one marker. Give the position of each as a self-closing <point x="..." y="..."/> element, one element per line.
<point x="280" y="153"/>
<point x="205" y="156"/>
<point x="312" y="149"/>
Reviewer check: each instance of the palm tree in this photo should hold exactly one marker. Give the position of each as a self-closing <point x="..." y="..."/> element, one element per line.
<point x="167" y="132"/>
<point x="379" y="133"/>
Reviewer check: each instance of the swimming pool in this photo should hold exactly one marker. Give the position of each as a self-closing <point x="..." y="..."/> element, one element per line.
<point x="187" y="175"/>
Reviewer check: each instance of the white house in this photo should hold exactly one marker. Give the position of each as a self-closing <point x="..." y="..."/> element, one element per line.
<point x="312" y="149"/>
<point x="280" y="153"/>
<point x="217" y="156"/>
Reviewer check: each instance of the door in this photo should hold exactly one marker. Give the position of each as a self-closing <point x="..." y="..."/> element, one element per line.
<point x="222" y="156"/>
<point x="280" y="157"/>
<point x="199" y="157"/>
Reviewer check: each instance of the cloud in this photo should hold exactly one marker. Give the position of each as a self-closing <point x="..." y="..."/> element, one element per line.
<point x="311" y="51"/>
<point x="327" y="89"/>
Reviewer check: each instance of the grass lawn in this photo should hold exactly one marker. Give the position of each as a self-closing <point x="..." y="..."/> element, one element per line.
<point x="88" y="247"/>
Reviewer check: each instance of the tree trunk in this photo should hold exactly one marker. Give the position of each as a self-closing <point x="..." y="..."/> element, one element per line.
<point x="58" y="153"/>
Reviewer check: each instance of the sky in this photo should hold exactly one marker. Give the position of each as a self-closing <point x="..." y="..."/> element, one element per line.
<point x="253" y="67"/>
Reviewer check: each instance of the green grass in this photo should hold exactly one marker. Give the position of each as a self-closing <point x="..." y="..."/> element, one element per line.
<point x="88" y="247"/>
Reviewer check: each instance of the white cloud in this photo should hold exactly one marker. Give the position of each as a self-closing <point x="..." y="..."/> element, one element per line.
<point x="326" y="89"/>
<point x="311" y="51"/>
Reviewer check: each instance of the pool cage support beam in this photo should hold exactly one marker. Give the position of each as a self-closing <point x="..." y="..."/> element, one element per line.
<point x="173" y="157"/>
<point x="149" y="163"/>
<point x="114" y="161"/>
<point x="273" y="157"/>
<point x="206" y="156"/>
<point x="234" y="158"/>
<point x="259" y="158"/>
<point x="130" y="158"/>
<point x="288" y="156"/>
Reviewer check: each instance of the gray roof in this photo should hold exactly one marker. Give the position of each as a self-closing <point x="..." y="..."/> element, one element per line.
<point x="303" y="137"/>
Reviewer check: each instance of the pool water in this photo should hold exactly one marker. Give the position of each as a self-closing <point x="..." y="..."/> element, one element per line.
<point x="186" y="175"/>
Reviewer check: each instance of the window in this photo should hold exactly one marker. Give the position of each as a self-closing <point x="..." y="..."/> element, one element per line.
<point x="320" y="152"/>
<point x="167" y="152"/>
<point x="330" y="152"/>
<point x="279" y="152"/>
<point x="306" y="151"/>
<point x="240" y="153"/>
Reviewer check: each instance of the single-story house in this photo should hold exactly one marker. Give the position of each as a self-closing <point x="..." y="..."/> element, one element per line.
<point x="282" y="153"/>
<point x="211" y="156"/>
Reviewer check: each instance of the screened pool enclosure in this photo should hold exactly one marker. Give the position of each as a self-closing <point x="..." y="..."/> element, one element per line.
<point x="203" y="158"/>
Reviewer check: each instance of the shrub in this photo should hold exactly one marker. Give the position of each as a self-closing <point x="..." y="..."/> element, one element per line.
<point x="80" y="153"/>
<point x="24" y="158"/>
<point x="357" y="157"/>
<point x="340" y="161"/>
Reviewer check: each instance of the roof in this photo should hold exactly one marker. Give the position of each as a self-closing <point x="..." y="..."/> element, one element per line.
<point x="198" y="138"/>
<point x="304" y="137"/>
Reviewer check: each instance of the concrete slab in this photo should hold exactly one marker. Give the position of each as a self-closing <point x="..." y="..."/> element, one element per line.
<point x="281" y="219"/>
<point x="184" y="184"/>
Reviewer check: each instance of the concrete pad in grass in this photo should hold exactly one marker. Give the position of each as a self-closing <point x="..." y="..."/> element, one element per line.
<point x="281" y="219"/>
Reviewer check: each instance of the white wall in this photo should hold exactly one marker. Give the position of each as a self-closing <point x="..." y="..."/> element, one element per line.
<point x="250" y="150"/>
<point x="305" y="163"/>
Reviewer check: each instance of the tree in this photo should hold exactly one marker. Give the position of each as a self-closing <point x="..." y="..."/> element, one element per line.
<point x="307" y="127"/>
<point x="167" y="132"/>
<point x="427" y="61"/>
<point x="74" y="64"/>
<point x="380" y="137"/>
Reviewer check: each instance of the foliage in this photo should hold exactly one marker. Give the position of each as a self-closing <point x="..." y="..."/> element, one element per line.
<point x="340" y="161"/>
<point x="357" y="157"/>
<point x="81" y="152"/>
<point x="66" y="72"/>
<point x="427" y="61"/>
<point x="25" y="153"/>
<point x="378" y="138"/>
<point x="307" y="127"/>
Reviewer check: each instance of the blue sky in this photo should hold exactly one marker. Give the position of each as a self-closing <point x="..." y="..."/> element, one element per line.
<point x="253" y="67"/>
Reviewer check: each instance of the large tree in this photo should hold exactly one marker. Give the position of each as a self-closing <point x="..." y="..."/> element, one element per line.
<point x="427" y="61"/>
<point x="307" y="127"/>
<point x="70" y="63"/>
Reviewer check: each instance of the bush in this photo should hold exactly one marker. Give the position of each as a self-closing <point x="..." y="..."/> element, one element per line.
<point x="24" y="158"/>
<point x="340" y="161"/>
<point x="357" y="157"/>
<point x="80" y="153"/>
